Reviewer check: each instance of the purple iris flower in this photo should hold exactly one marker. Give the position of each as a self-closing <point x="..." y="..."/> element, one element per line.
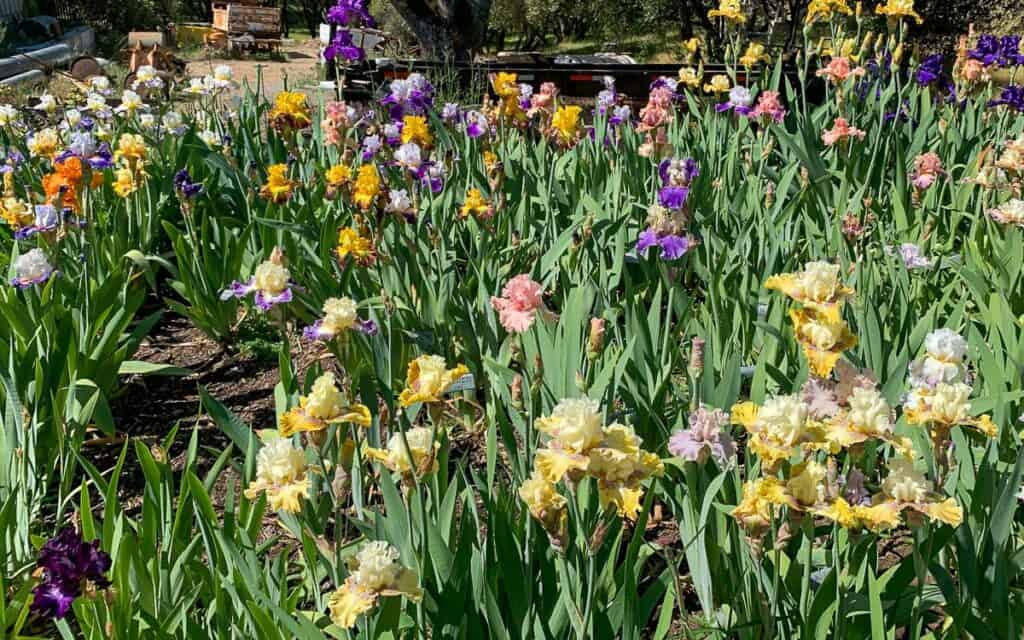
<point x="413" y="94"/>
<point x="1009" y="49"/>
<point x="932" y="73"/>
<point x="53" y="599"/>
<point x="1004" y="51"/>
<point x="674" y="171"/>
<point x="350" y="13"/>
<point x="183" y="184"/>
<point x="673" y="197"/>
<point x="987" y="50"/>
<point x="431" y="175"/>
<point x="664" y="81"/>
<point x="343" y="47"/>
<point x="1012" y="96"/>
<point x="476" y="124"/>
<point x="102" y="158"/>
<point x="930" y="70"/>
<point x="68" y="561"/>
<point x="672" y="246"/>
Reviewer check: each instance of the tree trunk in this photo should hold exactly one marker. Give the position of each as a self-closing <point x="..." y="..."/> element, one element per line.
<point x="446" y="29"/>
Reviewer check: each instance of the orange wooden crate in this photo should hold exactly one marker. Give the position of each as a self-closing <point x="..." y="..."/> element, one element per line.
<point x="244" y="18"/>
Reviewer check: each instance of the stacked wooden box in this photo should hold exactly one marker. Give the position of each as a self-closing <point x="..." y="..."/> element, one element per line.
<point x="236" y="18"/>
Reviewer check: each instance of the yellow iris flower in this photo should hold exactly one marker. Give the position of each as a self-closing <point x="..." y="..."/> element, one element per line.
<point x="374" y="572"/>
<point x="475" y="205"/>
<point x="281" y="475"/>
<point x="291" y="110"/>
<point x="278" y="188"/>
<point x="353" y="244"/>
<point x="755" y="53"/>
<point x="817" y="287"/>
<point x="325" y="405"/>
<point x="823" y="341"/>
<point x="367" y="186"/>
<point x="825" y="9"/>
<point x="428" y="378"/>
<point x="338" y="175"/>
<point x="566" y="122"/>
<point x="897" y="9"/>
<point x="415" y="129"/>
<point x="728" y="10"/>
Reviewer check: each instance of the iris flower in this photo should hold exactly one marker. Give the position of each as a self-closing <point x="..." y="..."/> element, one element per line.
<point x="520" y="301"/>
<point x="281" y="476"/>
<point x="375" y="572"/>
<point x="70" y="566"/>
<point x="271" y="283"/>
<point x="339" y="316"/>
<point x="325" y="405"/>
<point x="428" y="379"/>
<point x="32" y="268"/>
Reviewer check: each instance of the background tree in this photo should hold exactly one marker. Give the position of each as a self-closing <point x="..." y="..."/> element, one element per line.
<point x="446" y="29"/>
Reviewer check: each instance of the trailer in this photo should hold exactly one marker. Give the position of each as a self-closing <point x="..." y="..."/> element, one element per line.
<point x="579" y="77"/>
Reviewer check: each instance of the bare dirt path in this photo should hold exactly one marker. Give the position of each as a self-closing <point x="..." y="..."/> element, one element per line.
<point x="296" y="68"/>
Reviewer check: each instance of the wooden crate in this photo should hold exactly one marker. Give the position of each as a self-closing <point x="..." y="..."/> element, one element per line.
<point x="235" y="18"/>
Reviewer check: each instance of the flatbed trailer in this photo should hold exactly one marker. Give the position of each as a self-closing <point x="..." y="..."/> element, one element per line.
<point x="577" y="79"/>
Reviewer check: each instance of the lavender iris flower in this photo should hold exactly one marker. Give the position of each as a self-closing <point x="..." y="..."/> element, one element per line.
<point x="371" y="145"/>
<point x="740" y="99"/>
<point x="705" y="438"/>
<point x="47" y="219"/>
<point x="620" y="114"/>
<point x="912" y="257"/>
<point x="450" y="112"/>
